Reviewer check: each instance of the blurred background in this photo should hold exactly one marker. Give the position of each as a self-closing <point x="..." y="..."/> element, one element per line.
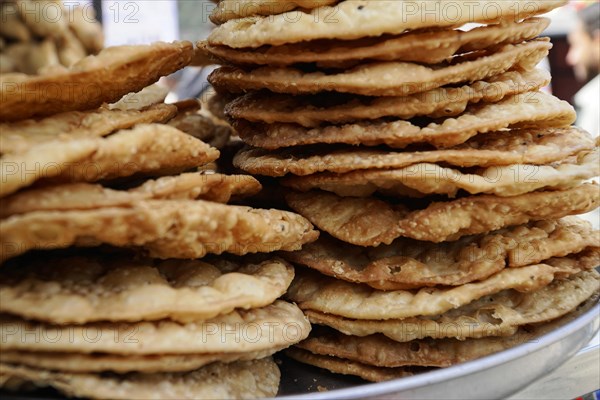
<point x="574" y="61"/>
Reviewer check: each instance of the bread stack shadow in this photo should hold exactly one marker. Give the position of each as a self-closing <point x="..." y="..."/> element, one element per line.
<point x="443" y="180"/>
<point x="125" y="272"/>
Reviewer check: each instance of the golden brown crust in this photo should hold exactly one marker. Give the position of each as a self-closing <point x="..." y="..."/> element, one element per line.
<point x="407" y="264"/>
<point x="527" y="110"/>
<point x="144" y="149"/>
<point x="96" y="287"/>
<point x="313" y="291"/>
<point x="385" y="78"/>
<point x="496" y="315"/>
<point x="347" y="367"/>
<point x="355" y="19"/>
<point x="148" y="96"/>
<point x="421" y="179"/>
<point x="94" y="80"/>
<point x="217" y="381"/>
<point x="22" y="136"/>
<point x="103" y="362"/>
<point x="203" y="127"/>
<point x="277" y="325"/>
<point x="165" y="228"/>
<point x="84" y="196"/>
<point x="380" y="351"/>
<point x="311" y="111"/>
<point x="370" y="221"/>
<point x="533" y="146"/>
<point x="428" y="46"/>
<point x="227" y="10"/>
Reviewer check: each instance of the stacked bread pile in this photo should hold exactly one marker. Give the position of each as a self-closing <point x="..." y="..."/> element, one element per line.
<point x="113" y="284"/>
<point x="442" y="179"/>
<point x="36" y="34"/>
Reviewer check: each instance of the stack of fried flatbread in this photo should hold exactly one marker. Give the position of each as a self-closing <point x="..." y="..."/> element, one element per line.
<point x="113" y="282"/>
<point x="442" y="178"/>
<point x="39" y="34"/>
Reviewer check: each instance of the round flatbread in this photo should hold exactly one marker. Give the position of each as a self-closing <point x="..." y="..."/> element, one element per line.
<point x="430" y="46"/>
<point x="531" y="146"/>
<point x="420" y="180"/>
<point x="411" y="264"/>
<point x="353" y="19"/>
<point x="81" y="289"/>
<point x="325" y="295"/>
<point x="227" y="10"/>
<point x="527" y="110"/>
<point x="185" y="229"/>
<point x="384" y="78"/>
<point x="84" y="196"/>
<point x="277" y="325"/>
<point x="238" y="380"/>
<point x="105" y="78"/>
<point x="313" y="111"/>
<point x="145" y="149"/>
<point x="369" y="221"/>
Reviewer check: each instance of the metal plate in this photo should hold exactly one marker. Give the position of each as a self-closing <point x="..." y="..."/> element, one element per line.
<point x="496" y="376"/>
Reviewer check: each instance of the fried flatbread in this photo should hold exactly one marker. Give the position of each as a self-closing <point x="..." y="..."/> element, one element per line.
<point x="277" y="325"/>
<point x="144" y="149"/>
<point x="408" y="264"/>
<point x="311" y="111"/>
<point x="203" y="127"/>
<point x="105" y="78"/>
<point x="22" y="136"/>
<point x="353" y="19"/>
<point x="380" y="351"/>
<point x="495" y="315"/>
<point x="12" y="26"/>
<point x="81" y="289"/>
<point x="70" y="50"/>
<point x="240" y="380"/>
<point x="148" y="96"/>
<point x="164" y="228"/>
<point x="43" y="57"/>
<point x="418" y="180"/>
<point x="367" y="221"/>
<point x="234" y="9"/>
<point x="385" y="78"/>
<point x="84" y="196"/>
<point x="102" y="362"/>
<point x="527" y="110"/>
<point x="347" y="367"/>
<point x="82" y="20"/>
<point x="215" y="103"/>
<point x="45" y="18"/>
<point x="313" y="291"/>
<point x="20" y="57"/>
<point x="533" y="146"/>
<point x="427" y="46"/>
